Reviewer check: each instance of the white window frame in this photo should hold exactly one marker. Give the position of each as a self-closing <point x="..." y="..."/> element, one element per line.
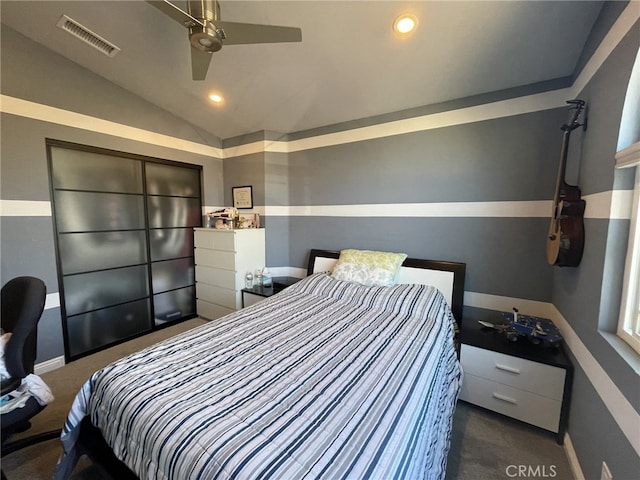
<point x="629" y="322"/>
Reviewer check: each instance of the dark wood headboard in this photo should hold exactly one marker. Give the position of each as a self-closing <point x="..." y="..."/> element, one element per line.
<point x="448" y="277"/>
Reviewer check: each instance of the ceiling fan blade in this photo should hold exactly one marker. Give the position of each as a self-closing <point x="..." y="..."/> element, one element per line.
<point x="172" y="11"/>
<point x="200" y="63"/>
<point x="244" y="33"/>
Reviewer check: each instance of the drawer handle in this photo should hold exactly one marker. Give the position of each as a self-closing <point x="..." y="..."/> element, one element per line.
<point x="508" y="369"/>
<point x="505" y="398"/>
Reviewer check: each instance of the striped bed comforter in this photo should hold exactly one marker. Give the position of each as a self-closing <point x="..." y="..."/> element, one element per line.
<point x="326" y="379"/>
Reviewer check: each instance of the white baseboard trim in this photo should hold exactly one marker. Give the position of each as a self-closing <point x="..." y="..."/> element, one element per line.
<point x="506" y="304"/>
<point x="576" y="470"/>
<point x="52" y="301"/>
<point x="49" y="365"/>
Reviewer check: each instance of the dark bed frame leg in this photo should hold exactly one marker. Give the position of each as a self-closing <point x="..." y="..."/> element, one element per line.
<point x="100" y="453"/>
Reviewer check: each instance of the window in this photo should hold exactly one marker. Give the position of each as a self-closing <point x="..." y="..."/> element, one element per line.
<point x="629" y="324"/>
<point x="628" y="156"/>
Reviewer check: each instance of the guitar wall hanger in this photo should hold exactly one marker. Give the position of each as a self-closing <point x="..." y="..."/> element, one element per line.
<point x="581" y="106"/>
<point x="565" y="241"/>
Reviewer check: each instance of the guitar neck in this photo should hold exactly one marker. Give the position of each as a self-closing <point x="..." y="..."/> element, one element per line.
<point x="560" y="182"/>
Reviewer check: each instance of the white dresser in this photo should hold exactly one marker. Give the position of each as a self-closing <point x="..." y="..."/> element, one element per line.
<point x="222" y="258"/>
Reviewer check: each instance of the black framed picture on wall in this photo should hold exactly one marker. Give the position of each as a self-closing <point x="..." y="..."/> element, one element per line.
<point x="242" y="197"/>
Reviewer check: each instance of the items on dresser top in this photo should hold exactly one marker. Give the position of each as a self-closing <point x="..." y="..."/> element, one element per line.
<point x="522" y="380"/>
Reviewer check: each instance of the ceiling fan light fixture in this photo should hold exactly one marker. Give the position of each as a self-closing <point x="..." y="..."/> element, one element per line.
<point x="206" y="39"/>
<point x="206" y="42"/>
<point x="405" y="23"/>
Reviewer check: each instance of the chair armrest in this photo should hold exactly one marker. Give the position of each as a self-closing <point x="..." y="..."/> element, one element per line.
<point x="9" y="385"/>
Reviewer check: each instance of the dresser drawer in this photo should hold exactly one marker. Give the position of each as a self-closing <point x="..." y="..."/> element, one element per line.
<point x="211" y="311"/>
<point x="215" y="258"/>
<point x="216" y="276"/>
<point x="215" y="240"/>
<point x="534" y="409"/>
<point x="543" y="380"/>
<point x="213" y="294"/>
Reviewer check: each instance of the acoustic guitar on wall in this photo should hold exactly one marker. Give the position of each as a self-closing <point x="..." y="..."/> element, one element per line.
<point x="565" y="242"/>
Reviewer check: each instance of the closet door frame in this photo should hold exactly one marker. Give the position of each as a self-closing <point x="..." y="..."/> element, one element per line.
<point x="145" y="160"/>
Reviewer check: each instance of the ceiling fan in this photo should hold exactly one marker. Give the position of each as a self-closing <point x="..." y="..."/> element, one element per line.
<point x="207" y="33"/>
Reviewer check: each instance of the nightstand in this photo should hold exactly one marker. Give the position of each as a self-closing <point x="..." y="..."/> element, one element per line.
<point x="259" y="293"/>
<point x="528" y="382"/>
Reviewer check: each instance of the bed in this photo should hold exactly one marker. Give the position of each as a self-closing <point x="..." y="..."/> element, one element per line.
<point x="326" y="379"/>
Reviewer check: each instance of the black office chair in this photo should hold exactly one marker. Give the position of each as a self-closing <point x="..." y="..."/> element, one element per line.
<point x="22" y="304"/>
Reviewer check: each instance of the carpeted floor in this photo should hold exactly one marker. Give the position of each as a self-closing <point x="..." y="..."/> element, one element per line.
<point x="483" y="445"/>
<point x="489" y="446"/>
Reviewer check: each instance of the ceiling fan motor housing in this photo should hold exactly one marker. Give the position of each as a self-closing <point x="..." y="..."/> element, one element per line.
<point x="208" y="37"/>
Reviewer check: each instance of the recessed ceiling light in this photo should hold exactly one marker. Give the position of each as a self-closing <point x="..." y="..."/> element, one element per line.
<point x="405" y="23"/>
<point x="216" y="98"/>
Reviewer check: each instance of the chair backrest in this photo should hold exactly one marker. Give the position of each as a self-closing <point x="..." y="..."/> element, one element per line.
<point x="22" y="304"/>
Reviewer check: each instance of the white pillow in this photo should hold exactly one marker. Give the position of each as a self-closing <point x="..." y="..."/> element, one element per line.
<point x="368" y="267"/>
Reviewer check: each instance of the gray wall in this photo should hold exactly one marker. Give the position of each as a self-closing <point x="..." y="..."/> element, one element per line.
<point x="27" y="241"/>
<point x="514" y="158"/>
<point x="507" y="159"/>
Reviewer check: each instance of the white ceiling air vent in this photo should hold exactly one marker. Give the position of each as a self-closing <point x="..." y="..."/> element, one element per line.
<point x="96" y="41"/>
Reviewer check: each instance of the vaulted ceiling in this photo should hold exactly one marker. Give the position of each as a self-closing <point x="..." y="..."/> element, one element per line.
<point x="349" y="65"/>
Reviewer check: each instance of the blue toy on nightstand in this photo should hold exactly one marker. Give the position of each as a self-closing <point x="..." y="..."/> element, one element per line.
<point x="537" y="330"/>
